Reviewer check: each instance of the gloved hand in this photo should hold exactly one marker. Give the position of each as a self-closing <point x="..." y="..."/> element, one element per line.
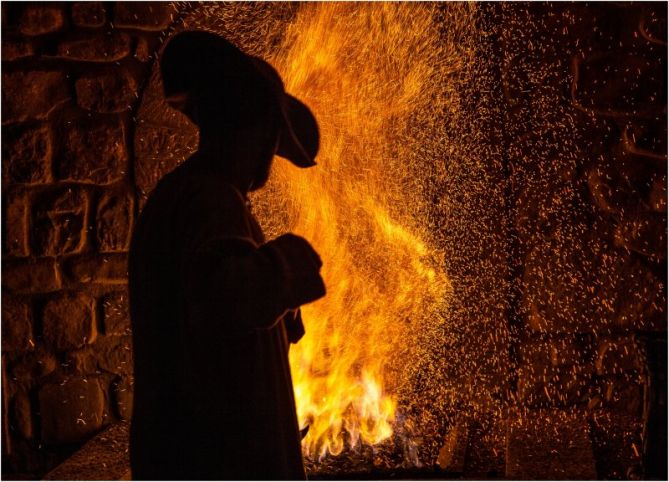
<point x="300" y="266"/>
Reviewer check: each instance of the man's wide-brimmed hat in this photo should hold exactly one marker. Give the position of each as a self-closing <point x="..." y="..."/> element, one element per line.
<point x="245" y="87"/>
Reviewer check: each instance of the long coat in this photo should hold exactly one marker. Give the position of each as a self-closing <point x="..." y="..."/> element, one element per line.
<point x="213" y="395"/>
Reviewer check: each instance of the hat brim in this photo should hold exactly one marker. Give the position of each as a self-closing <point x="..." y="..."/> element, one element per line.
<point x="300" y="139"/>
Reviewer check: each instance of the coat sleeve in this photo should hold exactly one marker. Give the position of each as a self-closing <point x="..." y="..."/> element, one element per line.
<point x="232" y="285"/>
<point x="294" y="325"/>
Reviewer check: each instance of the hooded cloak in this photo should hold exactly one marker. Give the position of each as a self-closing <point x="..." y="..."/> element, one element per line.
<point x="213" y="395"/>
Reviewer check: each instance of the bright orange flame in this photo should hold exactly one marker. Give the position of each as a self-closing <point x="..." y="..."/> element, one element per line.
<point x="365" y="70"/>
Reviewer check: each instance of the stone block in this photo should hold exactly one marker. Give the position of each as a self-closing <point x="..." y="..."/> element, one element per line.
<point x="32" y="276"/>
<point x="617" y="445"/>
<point x="653" y="24"/>
<point x="27" y="154"/>
<point x="622" y="393"/>
<point x="93" y="152"/>
<point x="644" y="233"/>
<point x="98" y="47"/>
<point x="452" y="454"/>
<point x="549" y="444"/>
<point x="646" y="138"/>
<point x="15" y="224"/>
<point x="554" y="386"/>
<point x="4" y="17"/>
<point x="83" y="361"/>
<point x="16" y="49"/>
<point x="616" y="28"/>
<point x="106" y="269"/>
<point x="69" y="321"/>
<point x="514" y="81"/>
<point x="59" y="221"/>
<point x="17" y="336"/>
<point x="526" y="77"/>
<point x="88" y="14"/>
<point x="71" y="411"/>
<point x="486" y="450"/>
<point x="630" y="296"/>
<point x="552" y="352"/>
<point x="567" y="285"/>
<point x="115" y="354"/>
<point x="618" y="84"/>
<point x="22" y="415"/>
<point x="149" y="16"/>
<point x="606" y="194"/>
<point x="41" y="19"/>
<point x="565" y="25"/>
<point x="556" y="297"/>
<point x="143" y="52"/>
<point x="7" y="391"/>
<point x="32" y="95"/>
<point x="158" y="150"/>
<point x="115" y="312"/>
<point x="111" y="354"/>
<point x="113" y="91"/>
<point x="657" y="197"/>
<point x="114" y="220"/>
<point x="122" y="390"/>
<point x="618" y="356"/>
<point x="619" y="181"/>
<point x="34" y="366"/>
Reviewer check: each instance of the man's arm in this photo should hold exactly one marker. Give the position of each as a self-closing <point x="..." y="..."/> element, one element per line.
<point x="294" y="325"/>
<point x="234" y="286"/>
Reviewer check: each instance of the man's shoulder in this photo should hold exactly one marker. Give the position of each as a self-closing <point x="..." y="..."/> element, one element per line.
<point x="190" y="181"/>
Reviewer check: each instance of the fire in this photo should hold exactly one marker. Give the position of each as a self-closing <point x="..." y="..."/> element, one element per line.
<point x="367" y="72"/>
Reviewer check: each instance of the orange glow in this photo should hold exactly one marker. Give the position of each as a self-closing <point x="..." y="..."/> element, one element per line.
<point x="366" y="70"/>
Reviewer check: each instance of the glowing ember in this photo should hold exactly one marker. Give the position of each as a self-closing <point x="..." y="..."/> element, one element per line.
<point x="365" y="79"/>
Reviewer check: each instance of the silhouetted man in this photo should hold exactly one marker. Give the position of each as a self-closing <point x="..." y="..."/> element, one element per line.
<point x="213" y="305"/>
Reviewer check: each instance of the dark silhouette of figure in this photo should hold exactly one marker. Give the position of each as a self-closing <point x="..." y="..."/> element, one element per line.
<point x="213" y="305"/>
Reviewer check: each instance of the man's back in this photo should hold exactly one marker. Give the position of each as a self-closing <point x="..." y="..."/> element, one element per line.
<point x="213" y="394"/>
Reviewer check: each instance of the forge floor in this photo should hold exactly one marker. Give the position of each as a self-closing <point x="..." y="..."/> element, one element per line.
<point x="105" y="457"/>
<point x="558" y="448"/>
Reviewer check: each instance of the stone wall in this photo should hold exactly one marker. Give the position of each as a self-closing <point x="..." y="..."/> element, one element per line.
<point x="72" y="78"/>
<point x="586" y="142"/>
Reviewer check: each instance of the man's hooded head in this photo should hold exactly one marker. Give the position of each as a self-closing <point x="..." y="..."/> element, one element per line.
<point x="228" y="93"/>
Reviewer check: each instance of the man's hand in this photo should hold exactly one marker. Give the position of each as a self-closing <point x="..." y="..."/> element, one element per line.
<point x="294" y="325"/>
<point x="300" y="266"/>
